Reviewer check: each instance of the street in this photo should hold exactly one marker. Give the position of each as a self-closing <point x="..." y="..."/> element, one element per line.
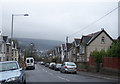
<point x="44" y="74"/>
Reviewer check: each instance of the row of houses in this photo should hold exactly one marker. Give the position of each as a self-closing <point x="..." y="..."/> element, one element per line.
<point x="81" y="48"/>
<point x="9" y="51"/>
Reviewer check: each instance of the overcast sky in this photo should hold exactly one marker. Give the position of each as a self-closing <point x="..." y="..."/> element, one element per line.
<point x="56" y="19"/>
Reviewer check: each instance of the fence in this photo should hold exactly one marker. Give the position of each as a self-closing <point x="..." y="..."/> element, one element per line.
<point x="108" y="62"/>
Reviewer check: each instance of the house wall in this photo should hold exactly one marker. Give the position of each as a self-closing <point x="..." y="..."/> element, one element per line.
<point x="8" y="54"/>
<point x="62" y="54"/>
<point x="2" y="51"/>
<point x="96" y="44"/>
<point x="16" y="55"/>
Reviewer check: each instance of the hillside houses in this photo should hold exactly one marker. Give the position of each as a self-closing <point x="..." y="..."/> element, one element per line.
<point x="81" y="48"/>
<point x="8" y="52"/>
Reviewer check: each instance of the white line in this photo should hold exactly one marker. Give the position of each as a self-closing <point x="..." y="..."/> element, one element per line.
<point x="50" y="73"/>
<point x="63" y="78"/>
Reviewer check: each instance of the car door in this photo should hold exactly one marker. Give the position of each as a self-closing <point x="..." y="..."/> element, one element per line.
<point x="62" y="67"/>
<point x="23" y="76"/>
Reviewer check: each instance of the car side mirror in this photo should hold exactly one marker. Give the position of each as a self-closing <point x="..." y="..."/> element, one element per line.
<point x="21" y="69"/>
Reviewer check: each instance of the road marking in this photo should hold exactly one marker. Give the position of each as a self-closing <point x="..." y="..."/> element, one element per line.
<point x="63" y="78"/>
<point x="48" y="72"/>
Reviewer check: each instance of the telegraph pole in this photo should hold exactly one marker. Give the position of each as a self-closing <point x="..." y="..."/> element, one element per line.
<point x="67" y="48"/>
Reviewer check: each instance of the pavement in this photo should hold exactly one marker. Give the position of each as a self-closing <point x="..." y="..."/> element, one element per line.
<point x="98" y="75"/>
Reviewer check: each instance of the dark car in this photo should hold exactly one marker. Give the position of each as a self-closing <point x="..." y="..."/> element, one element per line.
<point x="42" y="63"/>
<point x="12" y="72"/>
<point x="47" y="65"/>
<point x="57" y="67"/>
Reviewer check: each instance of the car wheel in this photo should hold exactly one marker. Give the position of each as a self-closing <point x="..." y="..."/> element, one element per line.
<point x="66" y="72"/>
<point x="75" y="72"/>
<point x="24" y="82"/>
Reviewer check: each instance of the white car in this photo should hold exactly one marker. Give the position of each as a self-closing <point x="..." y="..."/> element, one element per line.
<point x="30" y="64"/>
<point x="11" y="72"/>
<point x="69" y="67"/>
<point x="51" y="64"/>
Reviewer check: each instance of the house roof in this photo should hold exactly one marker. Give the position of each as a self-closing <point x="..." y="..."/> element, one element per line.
<point x="77" y="41"/>
<point x="86" y="38"/>
<point x="91" y="37"/>
<point x="63" y="46"/>
<point x="97" y="34"/>
<point x="5" y="38"/>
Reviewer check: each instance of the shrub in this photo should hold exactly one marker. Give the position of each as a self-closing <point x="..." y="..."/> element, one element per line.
<point x="114" y="51"/>
<point x="98" y="55"/>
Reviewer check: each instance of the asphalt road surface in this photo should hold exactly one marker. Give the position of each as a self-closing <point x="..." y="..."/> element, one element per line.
<point x="44" y="74"/>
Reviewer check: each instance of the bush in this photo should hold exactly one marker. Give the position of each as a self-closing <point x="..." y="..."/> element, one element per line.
<point x="102" y="53"/>
<point x="98" y="55"/>
<point x="114" y="51"/>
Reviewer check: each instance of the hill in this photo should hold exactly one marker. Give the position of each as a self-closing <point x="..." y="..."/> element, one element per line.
<point x="40" y="44"/>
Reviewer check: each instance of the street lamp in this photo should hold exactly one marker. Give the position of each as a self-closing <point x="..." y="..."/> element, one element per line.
<point x="12" y="27"/>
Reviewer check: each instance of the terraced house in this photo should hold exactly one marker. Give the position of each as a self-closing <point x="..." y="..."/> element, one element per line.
<point x="74" y="50"/>
<point x="2" y="48"/>
<point x="89" y="43"/>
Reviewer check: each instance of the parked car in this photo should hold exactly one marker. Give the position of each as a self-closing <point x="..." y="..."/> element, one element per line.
<point x="30" y="64"/>
<point x="51" y="65"/>
<point x="11" y="72"/>
<point x="57" y="67"/>
<point x="69" y="67"/>
<point x="42" y="63"/>
<point x="47" y="65"/>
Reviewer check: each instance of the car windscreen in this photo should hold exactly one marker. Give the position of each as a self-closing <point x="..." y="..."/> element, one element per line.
<point x="8" y="66"/>
<point x="71" y="64"/>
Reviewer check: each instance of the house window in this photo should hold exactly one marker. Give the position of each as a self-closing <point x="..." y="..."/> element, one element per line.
<point x="83" y="51"/>
<point x="80" y="49"/>
<point x="7" y="58"/>
<point x="102" y="40"/>
<point x="7" y="49"/>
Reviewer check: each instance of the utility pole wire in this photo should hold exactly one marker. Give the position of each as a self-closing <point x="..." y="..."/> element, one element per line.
<point x="94" y="22"/>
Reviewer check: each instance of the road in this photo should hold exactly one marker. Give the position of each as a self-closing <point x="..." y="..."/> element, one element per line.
<point x="44" y="74"/>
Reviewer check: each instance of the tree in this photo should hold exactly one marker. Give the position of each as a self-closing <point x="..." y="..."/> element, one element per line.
<point x="98" y="58"/>
<point x="114" y="51"/>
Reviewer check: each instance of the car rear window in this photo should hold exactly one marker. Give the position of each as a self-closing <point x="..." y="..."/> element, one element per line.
<point x="28" y="61"/>
<point x="31" y="60"/>
<point x="58" y="65"/>
<point x="71" y="64"/>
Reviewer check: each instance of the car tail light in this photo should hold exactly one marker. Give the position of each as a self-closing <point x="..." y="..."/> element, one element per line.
<point x="65" y="66"/>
